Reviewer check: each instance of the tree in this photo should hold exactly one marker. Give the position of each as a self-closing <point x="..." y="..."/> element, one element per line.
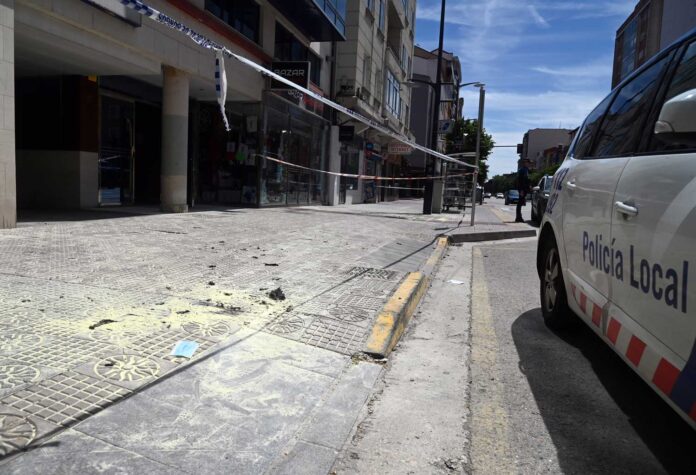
<point x="462" y="138"/>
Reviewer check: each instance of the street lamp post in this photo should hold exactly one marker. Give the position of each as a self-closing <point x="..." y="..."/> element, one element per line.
<point x="482" y="99"/>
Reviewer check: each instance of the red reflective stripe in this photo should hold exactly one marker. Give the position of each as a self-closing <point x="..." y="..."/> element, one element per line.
<point x="613" y="330"/>
<point x="665" y="376"/>
<point x="583" y="302"/>
<point x="596" y="314"/>
<point x="636" y="347"/>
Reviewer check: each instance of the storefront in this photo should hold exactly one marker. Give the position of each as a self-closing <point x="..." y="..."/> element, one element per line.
<point x="230" y="168"/>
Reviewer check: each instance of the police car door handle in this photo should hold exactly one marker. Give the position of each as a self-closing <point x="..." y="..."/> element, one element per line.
<point x="571" y="184"/>
<point x="626" y="209"/>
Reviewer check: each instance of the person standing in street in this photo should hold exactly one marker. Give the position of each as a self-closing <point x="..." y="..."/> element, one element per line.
<point x="522" y="188"/>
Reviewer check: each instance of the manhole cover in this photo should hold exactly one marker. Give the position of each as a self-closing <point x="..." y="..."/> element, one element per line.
<point x="14" y="375"/>
<point x="12" y="342"/>
<point x="126" y="368"/>
<point x="347" y="314"/>
<point x="16" y="432"/>
<point x="207" y="329"/>
<point x="290" y="324"/>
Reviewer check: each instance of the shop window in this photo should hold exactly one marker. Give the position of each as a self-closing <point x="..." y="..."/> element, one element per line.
<point x="289" y="48"/>
<point x="242" y="15"/>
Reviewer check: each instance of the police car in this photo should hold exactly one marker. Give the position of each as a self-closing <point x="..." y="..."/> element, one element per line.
<point x="617" y="243"/>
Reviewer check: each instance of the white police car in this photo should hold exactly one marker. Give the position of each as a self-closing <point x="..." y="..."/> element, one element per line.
<point x="617" y="244"/>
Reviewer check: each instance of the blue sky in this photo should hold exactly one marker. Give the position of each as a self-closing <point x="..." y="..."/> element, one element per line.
<point x="546" y="63"/>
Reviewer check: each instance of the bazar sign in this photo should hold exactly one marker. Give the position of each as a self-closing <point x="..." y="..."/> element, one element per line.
<point x="295" y="71"/>
<point x="398" y="148"/>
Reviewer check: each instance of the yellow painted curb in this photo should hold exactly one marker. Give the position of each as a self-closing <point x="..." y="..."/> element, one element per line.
<point x="396" y="313"/>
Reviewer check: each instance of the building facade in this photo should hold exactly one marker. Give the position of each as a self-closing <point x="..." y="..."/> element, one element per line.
<point x="423" y="99"/>
<point x="652" y="26"/>
<point x="372" y="67"/>
<point x="115" y="109"/>
<point x="537" y="141"/>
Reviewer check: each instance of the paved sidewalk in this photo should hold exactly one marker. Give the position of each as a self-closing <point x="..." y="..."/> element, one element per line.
<point x="93" y="303"/>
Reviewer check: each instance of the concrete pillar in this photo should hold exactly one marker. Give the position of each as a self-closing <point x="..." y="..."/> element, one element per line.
<point x="333" y="182"/>
<point x="8" y="180"/>
<point x="175" y="108"/>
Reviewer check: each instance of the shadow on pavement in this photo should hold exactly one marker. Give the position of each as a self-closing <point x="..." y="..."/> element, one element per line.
<point x="29" y="216"/>
<point x="599" y="431"/>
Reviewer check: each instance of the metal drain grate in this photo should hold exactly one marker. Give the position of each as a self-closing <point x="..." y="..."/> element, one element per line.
<point x="65" y="398"/>
<point x="334" y="335"/>
<point x="370" y="273"/>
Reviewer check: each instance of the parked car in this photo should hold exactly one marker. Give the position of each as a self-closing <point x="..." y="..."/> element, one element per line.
<point x="617" y="240"/>
<point x="486" y="195"/>
<point x="540" y="197"/>
<point x="512" y="197"/>
<point x="500" y="196"/>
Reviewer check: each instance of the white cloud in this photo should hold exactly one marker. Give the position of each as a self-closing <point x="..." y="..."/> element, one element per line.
<point x="540" y="20"/>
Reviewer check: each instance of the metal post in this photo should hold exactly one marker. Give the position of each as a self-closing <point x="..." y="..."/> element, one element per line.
<point x="474" y="194"/>
<point x="435" y="169"/>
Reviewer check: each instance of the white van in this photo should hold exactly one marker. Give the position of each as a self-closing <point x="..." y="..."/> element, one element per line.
<point x="617" y="244"/>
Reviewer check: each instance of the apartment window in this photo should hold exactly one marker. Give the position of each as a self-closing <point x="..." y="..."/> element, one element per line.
<point x="381" y="15"/>
<point x="242" y="15"/>
<point x="367" y="72"/>
<point x="393" y="101"/>
<point x="379" y="79"/>
<point x="407" y="117"/>
<point x="405" y="3"/>
<point x="289" y="48"/>
<point x="371" y="5"/>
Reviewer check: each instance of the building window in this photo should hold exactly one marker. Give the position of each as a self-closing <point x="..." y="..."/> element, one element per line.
<point x="381" y="19"/>
<point x="289" y="48"/>
<point x="379" y="79"/>
<point x="404" y="58"/>
<point x="242" y="15"/>
<point x="405" y="3"/>
<point x="371" y="5"/>
<point x="393" y="101"/>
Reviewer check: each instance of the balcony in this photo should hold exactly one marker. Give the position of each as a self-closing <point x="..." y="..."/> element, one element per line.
<point x="318" y="20"/>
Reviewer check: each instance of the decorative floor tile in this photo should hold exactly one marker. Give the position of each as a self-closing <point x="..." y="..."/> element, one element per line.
<point x="65" y="398"/>
<point x="64" y="354"/>
<point x="334" y="335"/>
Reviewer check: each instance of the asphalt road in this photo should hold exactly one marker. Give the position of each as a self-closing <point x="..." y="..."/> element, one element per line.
<point x="544" y="402"/>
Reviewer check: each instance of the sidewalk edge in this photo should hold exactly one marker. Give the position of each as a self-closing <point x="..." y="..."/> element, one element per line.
<point x="396" y="313"/>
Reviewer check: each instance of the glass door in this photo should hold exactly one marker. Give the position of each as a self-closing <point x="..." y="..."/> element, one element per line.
<point x="116" y="150"/>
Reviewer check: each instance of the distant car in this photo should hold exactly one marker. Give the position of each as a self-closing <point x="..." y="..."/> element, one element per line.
<point x="512" y="197"/>
<point x="540" y="197"/>
<point x="500" y="196"/>
<point x="486" y="195"/>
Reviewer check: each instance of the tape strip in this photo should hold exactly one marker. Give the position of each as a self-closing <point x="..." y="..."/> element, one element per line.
<point x="351" y="175"/>
<point x="201" y="40"/>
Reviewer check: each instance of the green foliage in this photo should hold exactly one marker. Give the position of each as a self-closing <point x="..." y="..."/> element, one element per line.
<point x="462" y="138"/>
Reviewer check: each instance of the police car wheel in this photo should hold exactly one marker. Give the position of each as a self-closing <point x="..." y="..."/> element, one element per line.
<point x="554" y="302"/>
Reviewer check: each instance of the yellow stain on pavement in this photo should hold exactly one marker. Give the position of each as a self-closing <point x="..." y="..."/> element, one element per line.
<point x="490" y="425"/>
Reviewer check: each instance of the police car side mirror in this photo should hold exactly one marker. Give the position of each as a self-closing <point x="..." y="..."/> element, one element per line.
<point x="677" y="121"/>
<point x="536" y="188"/>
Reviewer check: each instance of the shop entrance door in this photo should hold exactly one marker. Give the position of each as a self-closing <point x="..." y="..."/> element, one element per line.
<point x="116" y="149"/>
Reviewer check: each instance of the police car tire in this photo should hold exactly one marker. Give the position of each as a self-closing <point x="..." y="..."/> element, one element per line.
<point x="557" y="316"/>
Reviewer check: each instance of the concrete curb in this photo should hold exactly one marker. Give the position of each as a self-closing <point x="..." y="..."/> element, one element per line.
<point x="396" y="313"/>
<point x="491" y="236"/>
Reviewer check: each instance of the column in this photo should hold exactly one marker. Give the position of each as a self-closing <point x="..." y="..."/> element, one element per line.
<point x="334" y="162"/>
<point x="175" y="108"/>
<point x="8" y="180"/>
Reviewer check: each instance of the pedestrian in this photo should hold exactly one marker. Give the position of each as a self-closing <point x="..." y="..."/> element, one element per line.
<point x="522" y="188"/>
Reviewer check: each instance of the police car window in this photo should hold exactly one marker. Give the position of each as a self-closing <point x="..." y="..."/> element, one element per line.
<point x="622" y="122"/>
<point x="684" y="80"/>
<point x="584" y="138"/>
